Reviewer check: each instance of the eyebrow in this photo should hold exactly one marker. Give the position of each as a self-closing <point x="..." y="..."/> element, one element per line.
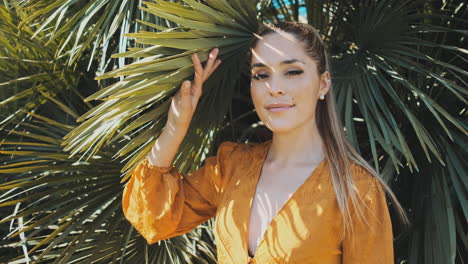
<point x="291" y="61"/>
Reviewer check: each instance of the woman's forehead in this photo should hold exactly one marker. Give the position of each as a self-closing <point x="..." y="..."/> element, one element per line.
<point x="275" y="49"/>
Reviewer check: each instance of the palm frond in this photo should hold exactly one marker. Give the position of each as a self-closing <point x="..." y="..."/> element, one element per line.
<point x="139" y="102"/>
<point x="89" y="29"/>
<point x="440" y="207"/>
<point x="30" y="74"/>
<point x="389" y="81"/>
<point x="71" y="208"/>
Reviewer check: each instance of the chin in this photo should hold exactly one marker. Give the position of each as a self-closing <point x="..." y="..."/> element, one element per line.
<point x="280" y="127"/>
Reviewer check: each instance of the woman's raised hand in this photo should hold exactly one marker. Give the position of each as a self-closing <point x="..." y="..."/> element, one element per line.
<point x="180" y="114"/>
<point x="185" y="101"/>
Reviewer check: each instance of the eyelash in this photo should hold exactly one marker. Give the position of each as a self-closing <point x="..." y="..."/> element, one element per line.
<point x="295" y="72"/>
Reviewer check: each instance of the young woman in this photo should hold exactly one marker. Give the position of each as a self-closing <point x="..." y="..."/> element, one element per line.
<point x="305" y="196"/>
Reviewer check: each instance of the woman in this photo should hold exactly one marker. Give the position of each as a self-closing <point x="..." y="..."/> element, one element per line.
<point x="306" y="196"/>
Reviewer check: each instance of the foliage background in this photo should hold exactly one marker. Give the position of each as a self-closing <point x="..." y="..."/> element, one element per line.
<point x="68" y="140"/>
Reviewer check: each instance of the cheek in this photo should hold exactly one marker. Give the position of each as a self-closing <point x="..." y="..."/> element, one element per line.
<point x="306" y="96"/>
<point x="258" y="99"/>
<point x="307" y="90"/>
<point x="255" y="94"/>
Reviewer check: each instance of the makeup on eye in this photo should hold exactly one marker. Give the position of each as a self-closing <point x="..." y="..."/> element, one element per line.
<point x="260" y="76"/>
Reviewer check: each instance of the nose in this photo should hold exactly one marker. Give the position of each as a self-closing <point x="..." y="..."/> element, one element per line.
<point x="275" y="88"/>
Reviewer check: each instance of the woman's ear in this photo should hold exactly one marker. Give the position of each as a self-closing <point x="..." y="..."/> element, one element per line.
<point x="325" y="83"/>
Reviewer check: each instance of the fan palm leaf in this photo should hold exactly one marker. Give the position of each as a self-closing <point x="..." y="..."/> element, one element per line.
<point x="30" y="74"/>
<point x="90" y="29"/>
<point x="72" y="208"/>
<point x="139" y="101"/>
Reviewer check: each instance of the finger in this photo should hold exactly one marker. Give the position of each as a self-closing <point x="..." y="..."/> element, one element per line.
<point x="209" y="63"/>
<point x="185" y="92"/>
<point x="198" y="78"/>
<point x="185" y="85"/>
<point x="216" y="64"/>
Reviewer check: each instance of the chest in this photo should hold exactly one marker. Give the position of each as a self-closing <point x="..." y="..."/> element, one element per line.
<point x="274" y="189"/>
<point x="289" y="220"/>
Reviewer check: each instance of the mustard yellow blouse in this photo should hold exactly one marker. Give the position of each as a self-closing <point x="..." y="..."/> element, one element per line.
<point x="161" y="203"/>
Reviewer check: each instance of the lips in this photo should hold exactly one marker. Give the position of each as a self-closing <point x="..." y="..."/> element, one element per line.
<point x="278" y="107"/>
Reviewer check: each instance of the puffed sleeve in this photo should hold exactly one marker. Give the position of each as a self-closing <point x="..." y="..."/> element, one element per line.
<point x="162" y="203"/>
<point x="372" y="238"/>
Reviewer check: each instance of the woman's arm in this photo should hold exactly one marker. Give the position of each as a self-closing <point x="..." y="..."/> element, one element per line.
<point x="162" y="203"/>
<point x="372" y="239"/>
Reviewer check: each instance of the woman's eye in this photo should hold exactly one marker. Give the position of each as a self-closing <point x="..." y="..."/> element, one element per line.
<point x="259" y="76"/>
<point x="295" y="72"/>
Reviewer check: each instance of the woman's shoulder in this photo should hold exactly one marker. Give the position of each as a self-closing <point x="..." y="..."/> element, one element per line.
<point x="369" y="188"/>
<point x="361" y="174"/>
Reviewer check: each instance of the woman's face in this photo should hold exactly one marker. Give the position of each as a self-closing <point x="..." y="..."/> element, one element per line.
<point x="285" y="84"/>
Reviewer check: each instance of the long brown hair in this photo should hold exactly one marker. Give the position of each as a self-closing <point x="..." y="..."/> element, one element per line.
<point x="338" y="151"/>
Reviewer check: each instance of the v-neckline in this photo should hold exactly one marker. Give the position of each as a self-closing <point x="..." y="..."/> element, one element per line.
<point x="259" y="170"/>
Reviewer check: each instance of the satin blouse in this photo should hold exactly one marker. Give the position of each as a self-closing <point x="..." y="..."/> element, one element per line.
<point x="162" y="203"/>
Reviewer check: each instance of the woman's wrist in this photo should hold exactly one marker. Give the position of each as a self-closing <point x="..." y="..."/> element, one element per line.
<point x="166" y="146"/>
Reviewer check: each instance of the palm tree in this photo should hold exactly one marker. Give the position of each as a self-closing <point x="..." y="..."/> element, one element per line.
<point x="398" y="74"/>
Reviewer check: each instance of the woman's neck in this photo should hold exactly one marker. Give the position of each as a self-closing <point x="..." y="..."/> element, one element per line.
<point x="300" y="146"/>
